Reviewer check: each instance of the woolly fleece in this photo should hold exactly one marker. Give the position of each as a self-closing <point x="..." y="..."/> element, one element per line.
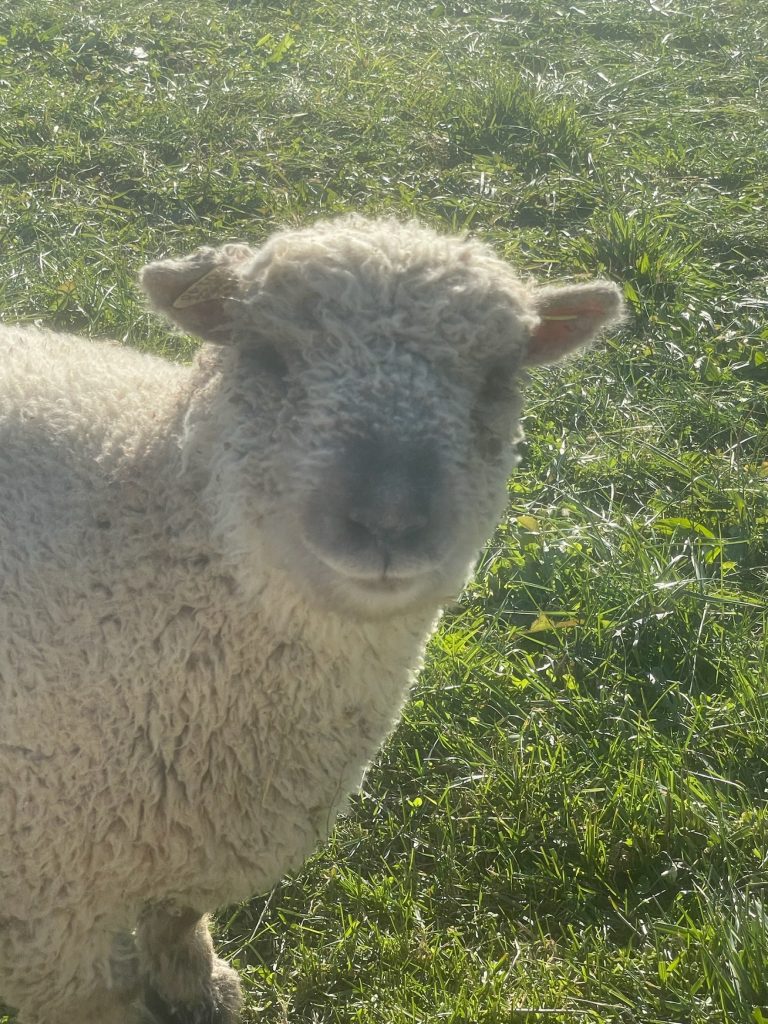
<point x="190" y="683"/>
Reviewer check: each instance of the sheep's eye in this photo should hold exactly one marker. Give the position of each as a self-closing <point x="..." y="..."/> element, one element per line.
<point x="268" y="361"/>
<point x="496" y="384"/>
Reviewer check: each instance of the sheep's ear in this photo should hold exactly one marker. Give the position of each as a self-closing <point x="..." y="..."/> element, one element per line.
<point x="196" y="291"/>
<point x="571" y="316"/>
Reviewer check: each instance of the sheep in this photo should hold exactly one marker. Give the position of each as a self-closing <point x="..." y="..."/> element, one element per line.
<point x="217" y="581"/>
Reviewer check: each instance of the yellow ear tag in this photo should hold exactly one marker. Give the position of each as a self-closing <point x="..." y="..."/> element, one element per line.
<point x="209" y="286"/>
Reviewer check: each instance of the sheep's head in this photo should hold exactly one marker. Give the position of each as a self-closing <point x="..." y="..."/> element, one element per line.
<point x="367" y="401"/>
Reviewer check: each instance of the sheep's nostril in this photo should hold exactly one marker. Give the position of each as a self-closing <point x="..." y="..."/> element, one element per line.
<point x="387" y="526"/>
<point x="416" y="534"/>
<point x="357" y="529"/>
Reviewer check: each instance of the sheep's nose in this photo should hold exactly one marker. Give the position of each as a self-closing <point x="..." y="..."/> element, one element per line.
<point x="391" y="490"/>
<point x="379" y="510"/>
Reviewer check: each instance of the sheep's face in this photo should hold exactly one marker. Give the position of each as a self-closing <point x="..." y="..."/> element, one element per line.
<point x="366" y="403"/>
<point x="377" y="471"/>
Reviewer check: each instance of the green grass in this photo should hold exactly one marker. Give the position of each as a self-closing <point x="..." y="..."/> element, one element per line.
<point x="571" y="823"/>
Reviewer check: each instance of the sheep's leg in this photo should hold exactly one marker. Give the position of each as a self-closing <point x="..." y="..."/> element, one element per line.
<point x="184" y="981"/>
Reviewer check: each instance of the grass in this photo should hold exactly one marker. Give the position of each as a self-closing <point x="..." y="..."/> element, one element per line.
<point x="571" y="822"/>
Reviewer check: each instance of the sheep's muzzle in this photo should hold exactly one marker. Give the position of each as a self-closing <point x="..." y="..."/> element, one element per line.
<point x="376" y="516"/>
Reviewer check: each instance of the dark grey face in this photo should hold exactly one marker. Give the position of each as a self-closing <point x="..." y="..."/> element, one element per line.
<point x="380" y="510"/>
<point x="368" y="471"/>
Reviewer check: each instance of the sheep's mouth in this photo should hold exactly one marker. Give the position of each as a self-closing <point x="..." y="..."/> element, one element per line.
<point x="384" y="597"/>
<point x="371" y="561"/>
<point x="366" y="590"/>
<point x="384" y="585"/>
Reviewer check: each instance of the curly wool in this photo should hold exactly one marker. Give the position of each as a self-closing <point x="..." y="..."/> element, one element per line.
<point x="188" y="694"/>
<point x="130" y="714"/>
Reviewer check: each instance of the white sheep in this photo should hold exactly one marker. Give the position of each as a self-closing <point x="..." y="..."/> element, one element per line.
<point x="216" y="583"/>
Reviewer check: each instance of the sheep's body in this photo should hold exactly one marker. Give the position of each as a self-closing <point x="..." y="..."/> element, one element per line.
<point x="181" y="720"/>
<point x="136" y="660"/>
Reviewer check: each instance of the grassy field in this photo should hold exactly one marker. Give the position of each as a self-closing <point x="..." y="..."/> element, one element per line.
<point x="571" y="824"/>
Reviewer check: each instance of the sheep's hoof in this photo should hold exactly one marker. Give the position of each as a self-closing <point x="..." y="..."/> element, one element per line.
<point x="222" y="1004"/>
